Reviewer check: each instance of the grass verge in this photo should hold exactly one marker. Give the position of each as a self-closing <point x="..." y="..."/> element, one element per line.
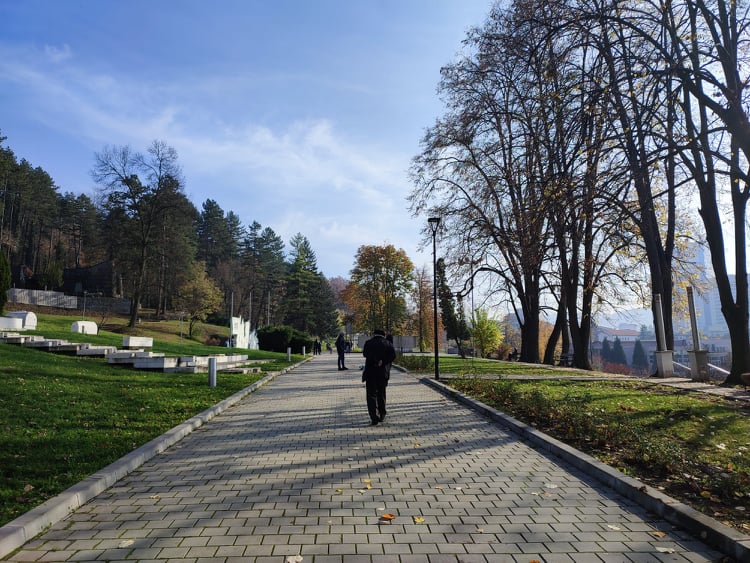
<point x="63" y="418"/>
<point x="692" y="447"/>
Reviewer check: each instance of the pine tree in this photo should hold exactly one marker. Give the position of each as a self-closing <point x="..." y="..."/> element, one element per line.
<point x="618" y="354"/>
<point x="640" y="360"/>
<point x="4" y="281"/>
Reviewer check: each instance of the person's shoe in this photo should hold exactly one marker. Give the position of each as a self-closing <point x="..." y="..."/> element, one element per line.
<point x="345" y="368"/>
<point x="375" y="422"/>
<point x="382" y="417"/>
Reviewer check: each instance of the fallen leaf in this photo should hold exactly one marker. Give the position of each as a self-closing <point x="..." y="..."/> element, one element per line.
<point x="439" y="488"/>
<point x="387" y="516"/>
<point x="126" y="543"/>
<point x="367" y="480"/>
<point x="613" y="527"/>
<point x="417" y="444"/>
<point x="550" y="486"/>
<point x="480" y="530"/>
<point x="340" y="491"/>
<point x="459" y="488"/>
<point x="28" y="488"/>
<point x="418" y="520"/>
<point x="658" y="534"/>
<point x="665" y="549"/>
<point x="294" y="559"/>
<point x="368" y="487"/>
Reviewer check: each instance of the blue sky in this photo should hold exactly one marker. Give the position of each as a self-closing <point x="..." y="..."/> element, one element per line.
<point x="301" y="115"/>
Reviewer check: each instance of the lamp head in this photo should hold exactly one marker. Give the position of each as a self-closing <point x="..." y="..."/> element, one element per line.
<point x="434" y="223"/>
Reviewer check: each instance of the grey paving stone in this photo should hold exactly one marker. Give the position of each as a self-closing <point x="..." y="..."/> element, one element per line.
<point x="295" y="468"/>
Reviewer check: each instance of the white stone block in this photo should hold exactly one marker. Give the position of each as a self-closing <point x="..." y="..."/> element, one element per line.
<point x="28" y="319"/>
<point x="84" y="327"/>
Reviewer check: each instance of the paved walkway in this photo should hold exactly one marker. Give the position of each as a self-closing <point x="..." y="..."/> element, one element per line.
<point x="296" y="473"/>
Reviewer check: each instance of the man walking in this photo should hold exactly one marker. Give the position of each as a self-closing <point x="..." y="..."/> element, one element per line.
<point x="379" y="355"/>
<point x="341" y="350"/>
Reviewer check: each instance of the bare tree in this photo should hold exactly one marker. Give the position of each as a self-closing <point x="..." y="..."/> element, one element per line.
<point x="140" y="189"/>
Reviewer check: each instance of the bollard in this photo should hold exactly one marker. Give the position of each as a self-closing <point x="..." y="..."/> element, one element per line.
<point x="288" y="354"/>
<point x="212" y="372"/>
<point x="303" y="350"/>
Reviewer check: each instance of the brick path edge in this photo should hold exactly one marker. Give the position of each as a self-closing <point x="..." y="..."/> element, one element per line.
<point x="720" y="536"/>
<point x="24" y="528"/>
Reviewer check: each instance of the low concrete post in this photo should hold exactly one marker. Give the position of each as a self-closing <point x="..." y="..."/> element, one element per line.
<point x="303" y="350"/>
<point x="698" y="357"/>
<point x="212" y="372"/>
<point x="288" y="354"/>
<point x="664" y="358"/>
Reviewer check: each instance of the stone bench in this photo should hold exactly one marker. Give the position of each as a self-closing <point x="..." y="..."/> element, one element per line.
<point x="131" y="342"/>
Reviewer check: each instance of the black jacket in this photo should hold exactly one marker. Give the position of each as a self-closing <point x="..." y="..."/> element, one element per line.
<point x="379" y="354"/>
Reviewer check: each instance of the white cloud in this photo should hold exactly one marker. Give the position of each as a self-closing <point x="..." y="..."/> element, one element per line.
<point x="58" y="54"/>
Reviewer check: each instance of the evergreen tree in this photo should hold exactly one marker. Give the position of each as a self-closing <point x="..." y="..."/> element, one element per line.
<point x="606" y="352"/>
<point x="455" y="325"/>
<point x="325" y="315"/>
<point x="640" y="360"/>
<point x="4" y="280"/>
<point x="302" y="284"/>
<point x="618" y="354"/>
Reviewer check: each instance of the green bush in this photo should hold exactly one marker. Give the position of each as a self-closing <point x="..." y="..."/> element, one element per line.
<point x="279" y="338"/>
<point x="415" y="363"/>
<point x="300" y="339"/>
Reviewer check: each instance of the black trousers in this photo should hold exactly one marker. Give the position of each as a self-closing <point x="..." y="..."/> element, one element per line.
<point x="375" y="389"/>
<point x="341" y="359"/>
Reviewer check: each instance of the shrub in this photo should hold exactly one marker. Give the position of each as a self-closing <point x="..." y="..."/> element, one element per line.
<point x="415" y="363"/>
<point x="274" y="338"/>
<point x="279" y="338"/>
<point x="300" y="339"/>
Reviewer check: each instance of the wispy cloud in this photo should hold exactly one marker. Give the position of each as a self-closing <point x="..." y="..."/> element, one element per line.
<point x="57" y="54"/>
<point x="299" y="175"/>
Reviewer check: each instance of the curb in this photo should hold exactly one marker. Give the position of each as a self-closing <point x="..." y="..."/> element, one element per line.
<point x="24" y="528"/>
<point x="724" y="538"/>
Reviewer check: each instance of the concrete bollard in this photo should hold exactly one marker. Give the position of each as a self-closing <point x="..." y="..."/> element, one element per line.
<point x="288" y="354"/>
<point x="212" y="372"/>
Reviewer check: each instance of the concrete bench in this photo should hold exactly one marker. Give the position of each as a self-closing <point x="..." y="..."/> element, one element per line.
<point x="84" y="327"/>
<point x="131" y="342"/>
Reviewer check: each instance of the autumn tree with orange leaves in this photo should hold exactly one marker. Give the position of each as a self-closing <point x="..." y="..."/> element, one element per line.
<point x="380" y="282"/>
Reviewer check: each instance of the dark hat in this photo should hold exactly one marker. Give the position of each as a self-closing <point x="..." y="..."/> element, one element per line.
<point x="380" y="332"/>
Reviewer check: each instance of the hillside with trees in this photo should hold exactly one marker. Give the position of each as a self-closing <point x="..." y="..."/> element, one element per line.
<point x="138" y="237"/>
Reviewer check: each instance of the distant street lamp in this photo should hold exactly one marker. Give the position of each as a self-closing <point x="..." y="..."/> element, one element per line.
<point x="434" y="224"/>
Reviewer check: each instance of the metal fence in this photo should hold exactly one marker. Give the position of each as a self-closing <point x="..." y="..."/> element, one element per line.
<point x="62" y="301"/>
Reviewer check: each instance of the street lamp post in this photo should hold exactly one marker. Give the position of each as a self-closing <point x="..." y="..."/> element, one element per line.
<point x="434" y="224"/>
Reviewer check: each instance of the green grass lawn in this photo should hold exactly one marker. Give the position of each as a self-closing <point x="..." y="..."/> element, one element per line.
<point x="63" y="418"/>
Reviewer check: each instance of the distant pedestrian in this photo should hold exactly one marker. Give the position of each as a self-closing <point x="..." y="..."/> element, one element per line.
<point x="341" y="350"/>
<point x="379" y="355"/>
